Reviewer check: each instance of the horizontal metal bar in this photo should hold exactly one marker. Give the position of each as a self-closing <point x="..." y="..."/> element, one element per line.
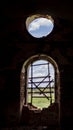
<point x="41" y="88"/>
<point x="40" y="64"/>
<point x="40" y="97"/>
<point x="42" y="82"/>
<point x="38" y="77"/>
<point x="40" y="92"/>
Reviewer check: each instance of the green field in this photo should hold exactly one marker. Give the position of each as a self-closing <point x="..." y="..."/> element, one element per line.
<point x="39" y="100"/>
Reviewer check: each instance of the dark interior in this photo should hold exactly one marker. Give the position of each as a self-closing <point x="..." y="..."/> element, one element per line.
<point x="17" y="45"/>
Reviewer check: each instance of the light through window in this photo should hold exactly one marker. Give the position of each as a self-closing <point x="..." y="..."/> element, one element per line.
<point x="41" y="84"/>
<point x="39" y="26"/>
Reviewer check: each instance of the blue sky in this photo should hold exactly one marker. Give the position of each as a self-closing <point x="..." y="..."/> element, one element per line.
<point x="40" y="27"/>
<point x="42" y="70"/>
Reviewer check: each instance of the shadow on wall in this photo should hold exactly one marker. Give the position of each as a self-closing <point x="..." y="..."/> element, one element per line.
<point x="47" y="116"/>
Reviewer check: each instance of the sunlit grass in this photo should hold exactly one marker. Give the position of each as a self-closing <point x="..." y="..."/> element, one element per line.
<point x="41" y="102"/>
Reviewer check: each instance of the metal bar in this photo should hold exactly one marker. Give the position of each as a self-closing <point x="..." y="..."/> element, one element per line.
<point x="40" y="64"/>
<point x="31" y="82"/>
<point x="39" y="97"/>
<point x="49" y="85"/>
<point x="40" y="90"/>
<point x="37" y="77"/>
<point x="42" y="82"/>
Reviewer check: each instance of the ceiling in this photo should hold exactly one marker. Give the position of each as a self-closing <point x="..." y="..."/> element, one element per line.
<point x="14" y="36"/>
<point x="60" y="8"/>
<point x="14" y="14"/>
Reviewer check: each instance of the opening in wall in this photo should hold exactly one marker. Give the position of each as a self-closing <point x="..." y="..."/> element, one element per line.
<point x="39" y="25"/>
<point x="40" y="83"/>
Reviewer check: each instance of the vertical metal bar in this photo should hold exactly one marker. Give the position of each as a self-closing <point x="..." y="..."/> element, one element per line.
<point x="49" y="84"/>
<point x="31" y="82"/>
<point x="25" y="93"/>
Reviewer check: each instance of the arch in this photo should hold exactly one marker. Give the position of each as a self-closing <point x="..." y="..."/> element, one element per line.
<point x="23" y="79"/>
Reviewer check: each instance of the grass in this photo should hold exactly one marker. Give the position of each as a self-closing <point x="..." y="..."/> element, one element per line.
<point x="40" y="102"/>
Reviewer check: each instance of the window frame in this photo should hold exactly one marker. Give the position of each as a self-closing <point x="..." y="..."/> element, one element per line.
<point x="24" y="75"/>
<point x="47" y="90"/>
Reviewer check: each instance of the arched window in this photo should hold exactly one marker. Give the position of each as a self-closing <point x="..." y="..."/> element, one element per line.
<point x="39" y="84"/>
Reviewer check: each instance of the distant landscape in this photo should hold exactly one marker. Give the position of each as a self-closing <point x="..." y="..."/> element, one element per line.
<point x="42" y="91"/>
<point x="39" y="100"/>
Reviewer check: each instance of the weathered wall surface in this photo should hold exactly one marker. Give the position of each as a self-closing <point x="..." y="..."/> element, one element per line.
<point x="16" y="47"/>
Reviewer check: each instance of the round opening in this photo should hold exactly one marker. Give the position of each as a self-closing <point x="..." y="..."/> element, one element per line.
<point x="39" y="26"/>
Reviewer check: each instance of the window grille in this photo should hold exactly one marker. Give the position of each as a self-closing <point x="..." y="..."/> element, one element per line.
<point x="41" y="86"/>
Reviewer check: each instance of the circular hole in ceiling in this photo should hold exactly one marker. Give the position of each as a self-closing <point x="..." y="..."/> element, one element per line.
<point x="39" y="25"/>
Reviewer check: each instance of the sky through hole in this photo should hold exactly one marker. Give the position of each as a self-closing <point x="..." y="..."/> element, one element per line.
<point x="40" y="27"/>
